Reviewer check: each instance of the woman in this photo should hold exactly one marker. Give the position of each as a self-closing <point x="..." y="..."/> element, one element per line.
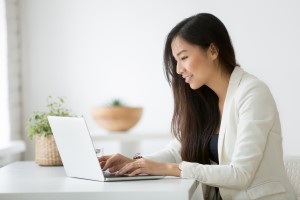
<point x="225" y="120"/>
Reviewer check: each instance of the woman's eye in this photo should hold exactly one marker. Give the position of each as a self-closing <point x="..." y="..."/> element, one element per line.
<point x="183" y="58"/>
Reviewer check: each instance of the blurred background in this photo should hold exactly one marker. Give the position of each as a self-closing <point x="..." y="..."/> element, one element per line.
<point x="92" y="51"/>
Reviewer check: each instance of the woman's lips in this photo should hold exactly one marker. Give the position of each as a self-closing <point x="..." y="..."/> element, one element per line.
<point x="187" y="78"/>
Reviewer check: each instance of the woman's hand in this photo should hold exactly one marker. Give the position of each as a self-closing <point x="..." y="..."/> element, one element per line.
<point x="113" y="162"/>
<point x="150" y="167"/>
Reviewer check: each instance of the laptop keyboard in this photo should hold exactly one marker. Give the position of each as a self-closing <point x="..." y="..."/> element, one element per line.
<point x="112" y="175"/>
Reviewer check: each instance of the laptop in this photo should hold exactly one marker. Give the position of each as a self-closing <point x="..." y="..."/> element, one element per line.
<point x="77" y="151"/>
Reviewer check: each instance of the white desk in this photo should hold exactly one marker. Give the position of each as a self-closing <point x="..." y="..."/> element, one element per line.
<point x="28" y="181"/>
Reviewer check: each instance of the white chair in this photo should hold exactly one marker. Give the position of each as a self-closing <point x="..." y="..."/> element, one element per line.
<point x="292" y="166"/>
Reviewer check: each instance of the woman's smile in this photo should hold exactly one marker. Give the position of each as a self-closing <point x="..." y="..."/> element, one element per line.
<point x="187" y="78"/>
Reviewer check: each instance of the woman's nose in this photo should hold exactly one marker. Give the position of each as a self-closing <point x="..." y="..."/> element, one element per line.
<point x="179" y="68"/>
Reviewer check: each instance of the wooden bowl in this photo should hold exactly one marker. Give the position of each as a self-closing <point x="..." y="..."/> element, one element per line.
<point x="117" y="118"/>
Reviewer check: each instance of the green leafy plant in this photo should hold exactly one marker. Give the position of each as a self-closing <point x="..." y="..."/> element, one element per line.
<point x="116" y="102"/>
<point x="38" y="122"/>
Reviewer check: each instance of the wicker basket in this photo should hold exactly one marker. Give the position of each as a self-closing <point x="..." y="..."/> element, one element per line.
<point x="46" y="152"/>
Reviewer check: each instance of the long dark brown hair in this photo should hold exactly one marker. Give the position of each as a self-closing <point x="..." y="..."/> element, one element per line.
<point x="196" y="112"/>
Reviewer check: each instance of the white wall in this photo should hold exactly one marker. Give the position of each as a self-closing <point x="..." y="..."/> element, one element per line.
<point x="4" y="116"/>
<point x="93" y="51"/>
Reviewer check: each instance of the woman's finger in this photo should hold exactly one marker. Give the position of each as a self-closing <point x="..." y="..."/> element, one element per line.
<point x="136" y="172"/>
<point x="109" y="163"/>
<point x="104" y="158"/>
<point x="113" y="160"/>
<point x="114" y="168"/>
<point x="110" y="169"/>
<point x="129" y="167"/>
<point x="102" y="163"/>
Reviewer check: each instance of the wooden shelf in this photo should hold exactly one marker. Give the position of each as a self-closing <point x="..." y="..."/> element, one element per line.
<point x="129" y="136"/>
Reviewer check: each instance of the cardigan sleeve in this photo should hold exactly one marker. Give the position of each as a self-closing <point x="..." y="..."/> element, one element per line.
<point x="171" y="153"/>
<point x="256" y="112"/>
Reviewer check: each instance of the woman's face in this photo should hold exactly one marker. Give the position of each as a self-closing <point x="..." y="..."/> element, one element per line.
<point x="194" y="64"/>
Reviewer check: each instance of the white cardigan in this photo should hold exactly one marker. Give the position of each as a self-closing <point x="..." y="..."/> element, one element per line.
<point x="249" y="147"/>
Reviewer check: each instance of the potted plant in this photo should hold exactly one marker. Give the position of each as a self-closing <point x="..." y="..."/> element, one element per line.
<point x="116" y="116"/>
<point x="46" y="152"/>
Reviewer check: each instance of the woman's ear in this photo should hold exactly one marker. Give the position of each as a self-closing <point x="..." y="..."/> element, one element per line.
<point x="213" y="51"/>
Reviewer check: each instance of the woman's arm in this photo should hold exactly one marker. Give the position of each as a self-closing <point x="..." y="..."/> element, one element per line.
<point x="256" y="113"/>
<point x="162" y="162"/>
<point x="171" y="153"/>
<point x="150" y="167"/>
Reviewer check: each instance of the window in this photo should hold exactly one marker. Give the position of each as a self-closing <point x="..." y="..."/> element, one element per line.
<point x="4" y="112"/>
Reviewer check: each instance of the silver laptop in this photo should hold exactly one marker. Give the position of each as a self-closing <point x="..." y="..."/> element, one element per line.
<point x="77" y="151"/>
